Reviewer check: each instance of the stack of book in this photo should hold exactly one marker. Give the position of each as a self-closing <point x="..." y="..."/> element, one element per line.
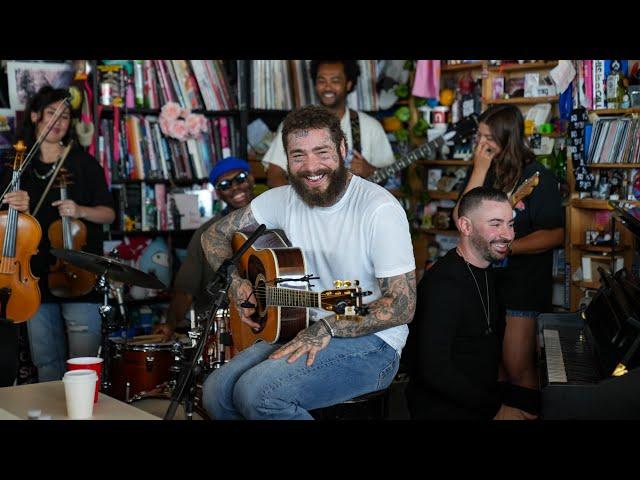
<point x="137" y="149"/>
<point x="194" y="84"/>
<point x="287" y="84"/>
<point x="614" y="140"/>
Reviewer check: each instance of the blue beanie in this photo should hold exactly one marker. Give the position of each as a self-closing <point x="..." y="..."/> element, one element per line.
<point x="226" y="165"/>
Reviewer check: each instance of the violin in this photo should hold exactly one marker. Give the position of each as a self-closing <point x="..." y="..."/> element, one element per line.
<point x="67" y="280"/>
<point x="20" y="234"/>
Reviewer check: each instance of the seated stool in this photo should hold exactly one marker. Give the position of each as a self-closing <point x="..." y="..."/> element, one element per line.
<point x="370" y="406"/>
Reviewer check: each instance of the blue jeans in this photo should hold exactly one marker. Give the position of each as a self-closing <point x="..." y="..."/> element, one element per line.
<point x="253" y="387"/>
<point x="48" y="342"/>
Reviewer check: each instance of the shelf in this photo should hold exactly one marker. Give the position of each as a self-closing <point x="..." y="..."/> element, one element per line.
<point x="445" y="163"/>
<point x="119" y="233"/>
<point x="601" y="248"/>
<point x="461" y="67"/>
<point x="521" y="100"/>
<point x="595" y="204"/>
<point x="438" y="195"/>
<point x="180" y="182"/>
<point x="613" y="165"/>
<point x="156" y="111"/>
<point x="583" y="284"/>
<point x="518" y="67"/>
<point x="436" y="231"/>
<point x="615" y="111"/>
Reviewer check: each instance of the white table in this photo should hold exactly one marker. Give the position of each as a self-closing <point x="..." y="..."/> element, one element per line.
<point x="49" y="397"/>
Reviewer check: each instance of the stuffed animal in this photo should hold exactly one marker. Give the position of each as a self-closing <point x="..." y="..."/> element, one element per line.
<point x="154" y="261"/>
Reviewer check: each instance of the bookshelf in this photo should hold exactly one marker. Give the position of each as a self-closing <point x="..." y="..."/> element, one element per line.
<point x="593" y="214"/>
<point x="220" y="90"/>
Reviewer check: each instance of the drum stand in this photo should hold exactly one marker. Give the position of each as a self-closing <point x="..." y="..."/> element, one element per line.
<point x="108" y="325"/>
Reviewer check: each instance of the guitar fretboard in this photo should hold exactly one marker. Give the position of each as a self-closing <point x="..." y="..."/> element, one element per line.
<point x="290" y="297"/>
<point x="420" y="152"/>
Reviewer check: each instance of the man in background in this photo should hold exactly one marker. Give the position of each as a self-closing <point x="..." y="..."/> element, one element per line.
<point x="367" y="145"/>
<point x="233" y="182"/>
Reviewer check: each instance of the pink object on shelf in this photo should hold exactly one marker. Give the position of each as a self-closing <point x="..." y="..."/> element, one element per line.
<point x="426" y="83"/>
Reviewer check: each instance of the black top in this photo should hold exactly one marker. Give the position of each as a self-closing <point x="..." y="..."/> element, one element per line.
<point x="526" y="282"/>
<point x="89" y="189"/>
<point x="453" y="357"/>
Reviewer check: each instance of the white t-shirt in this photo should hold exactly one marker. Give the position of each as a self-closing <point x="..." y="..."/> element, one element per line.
<point x="373" y="140"/>
<point x="362" y="237"/>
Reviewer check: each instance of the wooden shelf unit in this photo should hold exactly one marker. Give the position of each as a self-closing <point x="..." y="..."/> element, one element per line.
<point x="583" y="215"/>
<point x="521" y="100"/>
<point x="615" y="111"/>
<point x="613" y="165"/>
<point x="462" y="67"/>
<point x="522" y="67"/>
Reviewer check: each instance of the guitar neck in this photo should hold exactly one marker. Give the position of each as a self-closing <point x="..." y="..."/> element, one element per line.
<point x="385" y="172"/>
<point x="291" y="297"/>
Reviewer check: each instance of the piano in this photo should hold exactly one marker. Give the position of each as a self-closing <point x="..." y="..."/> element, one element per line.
<point x="589" y="361"/>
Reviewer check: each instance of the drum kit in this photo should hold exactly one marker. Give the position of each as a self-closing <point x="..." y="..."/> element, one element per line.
<point x="143" y="368"/>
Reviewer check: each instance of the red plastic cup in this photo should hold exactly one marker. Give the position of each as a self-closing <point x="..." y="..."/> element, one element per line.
<point x="91" y="363"/>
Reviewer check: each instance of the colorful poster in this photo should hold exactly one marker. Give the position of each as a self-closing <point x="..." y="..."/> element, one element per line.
<point x="26" y="78"/>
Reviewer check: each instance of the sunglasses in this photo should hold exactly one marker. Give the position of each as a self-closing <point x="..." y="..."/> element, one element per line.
<point x="239" y="179"/>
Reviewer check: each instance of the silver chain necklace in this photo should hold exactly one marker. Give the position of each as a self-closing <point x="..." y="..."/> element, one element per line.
<point x="46" y="175"/>
<point x="486" y="309"/>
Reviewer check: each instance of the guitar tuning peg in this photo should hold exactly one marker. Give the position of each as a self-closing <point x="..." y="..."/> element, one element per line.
<point x="347" y="284"/>
<point x="338" y="283"/>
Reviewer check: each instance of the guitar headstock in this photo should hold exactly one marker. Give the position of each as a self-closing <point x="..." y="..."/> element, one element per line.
<point x="343" y="298"/>
<point x="464" y="128"/>
<point x="525" y="189"/>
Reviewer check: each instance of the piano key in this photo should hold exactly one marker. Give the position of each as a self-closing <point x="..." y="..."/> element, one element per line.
<point x="553" y="353"/>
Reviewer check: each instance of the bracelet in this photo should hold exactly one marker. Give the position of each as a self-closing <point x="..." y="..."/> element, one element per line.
<point x="326" y="324"/>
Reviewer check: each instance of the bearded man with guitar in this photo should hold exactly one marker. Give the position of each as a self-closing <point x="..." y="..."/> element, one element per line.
<point x="345" y="228"/>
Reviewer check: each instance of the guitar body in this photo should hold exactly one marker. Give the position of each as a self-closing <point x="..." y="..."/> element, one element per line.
<point x="270" y="259"/>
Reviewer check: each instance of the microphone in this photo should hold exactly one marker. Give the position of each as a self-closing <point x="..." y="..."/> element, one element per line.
<point x="250" y="241"/>
<point x="222" y="272"/>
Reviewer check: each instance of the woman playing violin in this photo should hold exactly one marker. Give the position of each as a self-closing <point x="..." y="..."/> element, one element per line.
<point x="90" y="201"/>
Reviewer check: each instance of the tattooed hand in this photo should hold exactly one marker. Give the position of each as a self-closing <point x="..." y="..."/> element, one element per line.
<point x="239" y="291"/>
<point x="310" y="340"/>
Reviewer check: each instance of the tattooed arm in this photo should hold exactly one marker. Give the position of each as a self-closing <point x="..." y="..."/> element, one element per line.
<point x="216" y="246"/>
<point x="395" y="307"/>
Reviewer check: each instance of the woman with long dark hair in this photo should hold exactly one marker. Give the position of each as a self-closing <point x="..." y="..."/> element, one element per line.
<point x="524" y="281"/>
<point x="88" y="200"/>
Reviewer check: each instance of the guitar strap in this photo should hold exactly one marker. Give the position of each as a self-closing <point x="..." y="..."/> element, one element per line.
<point x="355" y="130"/>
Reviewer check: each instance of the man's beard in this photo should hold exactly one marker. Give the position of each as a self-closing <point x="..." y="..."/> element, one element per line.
<point x="484" y="247"/>
<point x="337" y="183"/>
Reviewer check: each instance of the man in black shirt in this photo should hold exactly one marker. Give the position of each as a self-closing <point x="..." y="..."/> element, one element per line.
<point x="455" y="339"/>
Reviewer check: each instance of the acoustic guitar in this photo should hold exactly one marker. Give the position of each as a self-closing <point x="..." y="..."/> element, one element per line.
<point x="282" y="311"/>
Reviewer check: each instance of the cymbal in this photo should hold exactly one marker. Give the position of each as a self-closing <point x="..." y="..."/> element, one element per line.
<point x="115" y="270"/>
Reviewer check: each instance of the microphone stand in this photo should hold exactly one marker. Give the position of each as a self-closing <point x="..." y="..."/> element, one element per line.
<point x="218" y="287"/>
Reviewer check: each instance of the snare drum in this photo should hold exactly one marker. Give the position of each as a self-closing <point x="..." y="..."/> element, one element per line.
<point x="141" y="365"/>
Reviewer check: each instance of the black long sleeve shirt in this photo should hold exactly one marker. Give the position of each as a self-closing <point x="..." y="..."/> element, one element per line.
<point x="454" y="357"/>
